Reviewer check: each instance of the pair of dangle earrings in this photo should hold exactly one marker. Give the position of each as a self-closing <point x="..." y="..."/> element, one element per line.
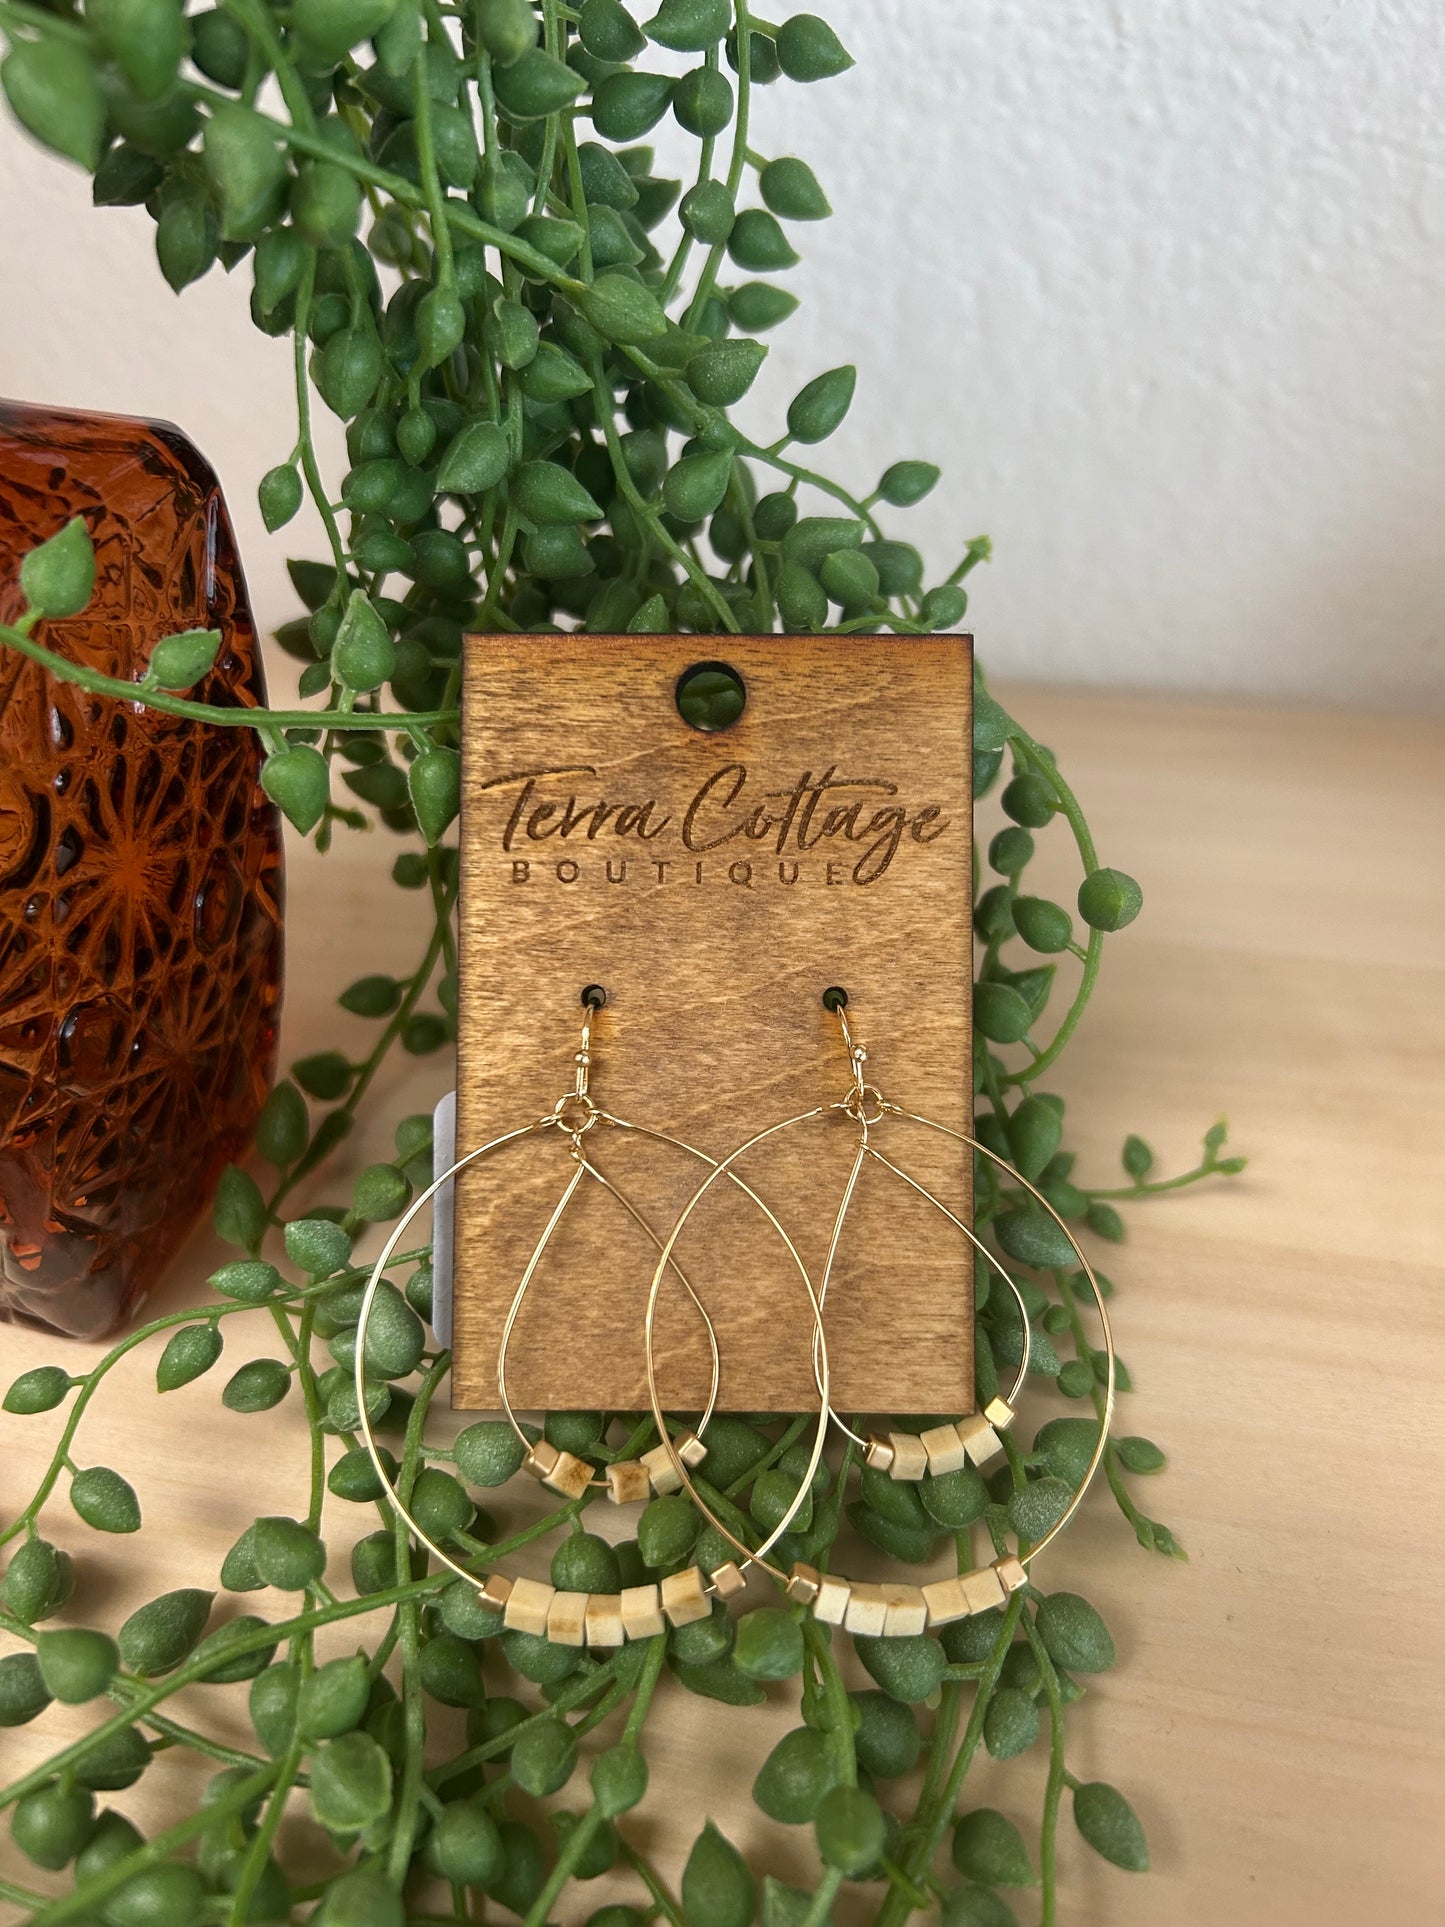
<point x="643" y="1611"/>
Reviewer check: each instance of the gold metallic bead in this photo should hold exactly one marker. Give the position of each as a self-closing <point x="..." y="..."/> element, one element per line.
<point x="878" y="1452"/>
<point x="802" y="1583"/>
<point x="541" y="1459"/>
<point x="495" y="1591"/>
<point x="691" y="1450"/>
<point x="999" y="1413"/>
<point x="728" y="1580"/>
<point x="1011" y="1572"/>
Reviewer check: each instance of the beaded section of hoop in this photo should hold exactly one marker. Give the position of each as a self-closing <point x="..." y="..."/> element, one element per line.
<point x="942" y="1448"/>
<point x="897" y="1612"/>
<point x="874" y="1610"/>
<point x="654" y="1473"/>
<point x="562" y="1471"/>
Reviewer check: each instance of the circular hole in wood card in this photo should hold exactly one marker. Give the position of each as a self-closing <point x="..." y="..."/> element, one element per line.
<point x="710" y="696"/>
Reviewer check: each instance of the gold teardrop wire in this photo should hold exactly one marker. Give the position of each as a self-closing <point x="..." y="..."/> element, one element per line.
<point x="586" y="1168"/>
<point x="573" y="1115"/>
<point x="748" y="1555"/>
<point x="867" y="1149"/>
<point x="866" y="1105"/>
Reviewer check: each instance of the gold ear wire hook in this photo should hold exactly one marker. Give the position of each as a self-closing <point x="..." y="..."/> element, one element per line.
<point x="865" y="1103"/>
<point x="565" y="1112"/>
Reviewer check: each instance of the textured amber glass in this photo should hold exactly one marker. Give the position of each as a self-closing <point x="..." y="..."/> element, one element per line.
<point x="140" y="880"/>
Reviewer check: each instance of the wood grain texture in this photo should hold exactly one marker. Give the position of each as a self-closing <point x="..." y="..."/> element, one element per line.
<point x="1277" y="1715"/>
<point x="715" y="885"/>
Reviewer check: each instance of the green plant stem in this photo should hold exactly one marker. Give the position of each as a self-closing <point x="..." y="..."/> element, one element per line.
<point x="1053" y="1790"/>
<point x="824" y="1896"/>
<point x="1030" y="753"/>
<point x="927" y="1828"/>
<point x="835" y="1697"/>
<point x="579" y="1839"/>
<point x="707" y="280"/>
<point x="97" y="684"/>
<point x="20" y="1896"/>
<point x="310" y="467"/>
<point x="652" y="1880"/>
<point x="255" y="1639"/>
<point x="259" y="1846"/>
<point x="436" y="200"/>
<point x="1157" y="1187"/>
<point x="409" y="1795"/>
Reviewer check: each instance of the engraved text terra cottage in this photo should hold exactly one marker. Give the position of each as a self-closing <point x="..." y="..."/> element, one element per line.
<point x="729" y="816"/>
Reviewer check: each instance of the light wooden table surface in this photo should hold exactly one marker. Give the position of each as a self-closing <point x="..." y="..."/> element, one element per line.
<point x="1278" y="1714"/>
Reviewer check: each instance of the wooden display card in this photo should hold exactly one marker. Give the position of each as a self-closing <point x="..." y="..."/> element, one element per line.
<point x="715" y="884"/>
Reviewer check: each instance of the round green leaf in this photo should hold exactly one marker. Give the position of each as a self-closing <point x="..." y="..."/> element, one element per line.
<point x="189" y="1353"/>
<point x="58" y="578"/>
<point x="53" y="93"/>
<point x="793" y="1779"/>
<point x="23" y="1692"/>
<point x="808" y="49"/>
<point x="989" y="1847"/>
<point x="288" y="1555"/>
<point x="39" y="1390"/>
<point x="718" y="1890"/>
<point x="158" y="1636"/>
<point x="1108" y="900"/>
<point x="1074" y="1634"/>
<point x="350" y="1782"/>
<point x="1110" y="1826"/>
<point x="1011" y="1724"/>
<point x="76" y="1663"/>
<point x="104" y="1500"/>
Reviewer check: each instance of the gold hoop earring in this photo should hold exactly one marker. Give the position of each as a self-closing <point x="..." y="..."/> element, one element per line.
<point x="530" y="1605"/>
<point x="888" y="1609"/>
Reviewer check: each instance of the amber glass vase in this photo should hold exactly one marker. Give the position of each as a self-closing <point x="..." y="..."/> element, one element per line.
<point x="140" y="879"/>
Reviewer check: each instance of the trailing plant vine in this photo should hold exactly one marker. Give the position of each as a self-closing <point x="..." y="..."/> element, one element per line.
<point x="534" y="348"/>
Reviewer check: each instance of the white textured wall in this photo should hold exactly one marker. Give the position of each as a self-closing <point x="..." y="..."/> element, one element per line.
<point x="1161" y="283"/>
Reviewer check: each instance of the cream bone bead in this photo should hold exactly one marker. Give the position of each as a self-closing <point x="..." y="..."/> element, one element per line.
<point x="898" y="1611"/>
<point x="684" y="1597"/>
<point x="567" y="1619"/>
<point x="605" y="1624"/>
<point x="867" y="1610"/>
<point x="906" y="1612"/>
<point x="660" y="1468"/>
<point x="562" y="1471"/>
<point x="628" y="1480"/>
<point x="642" y="1612"/>
<point x="942" y="1448"/>
<point x="528" y="1604"/>
<point x="910" y="1456"/>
